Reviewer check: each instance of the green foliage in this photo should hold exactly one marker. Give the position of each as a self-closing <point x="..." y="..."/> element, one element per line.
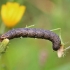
<point x="35" y="54"/>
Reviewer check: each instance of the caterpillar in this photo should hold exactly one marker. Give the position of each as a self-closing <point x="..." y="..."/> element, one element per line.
<point x="33" y="33"/>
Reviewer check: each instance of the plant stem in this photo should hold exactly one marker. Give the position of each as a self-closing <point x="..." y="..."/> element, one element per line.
<point x="2" y="59"/>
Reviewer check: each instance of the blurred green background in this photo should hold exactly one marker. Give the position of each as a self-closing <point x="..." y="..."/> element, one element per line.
<point x="37" y="54"/>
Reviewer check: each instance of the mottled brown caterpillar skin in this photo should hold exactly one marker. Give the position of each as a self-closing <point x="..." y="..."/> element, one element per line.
<point x="34" y="33"/>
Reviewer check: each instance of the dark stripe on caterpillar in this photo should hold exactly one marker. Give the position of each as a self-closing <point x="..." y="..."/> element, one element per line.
<point x="34" y="33"/>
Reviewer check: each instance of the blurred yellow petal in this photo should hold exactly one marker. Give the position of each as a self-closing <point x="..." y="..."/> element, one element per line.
<point x="20" y="13"/>
<point x="9" y="3"/>
<point x="12" y="13"/>
<point x="4" y="13"/>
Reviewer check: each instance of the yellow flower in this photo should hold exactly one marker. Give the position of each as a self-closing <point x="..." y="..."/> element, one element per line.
<point x="12" y="13"/>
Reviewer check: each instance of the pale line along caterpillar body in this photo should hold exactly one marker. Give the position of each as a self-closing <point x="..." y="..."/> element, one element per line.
<point x="33" y="33"/>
